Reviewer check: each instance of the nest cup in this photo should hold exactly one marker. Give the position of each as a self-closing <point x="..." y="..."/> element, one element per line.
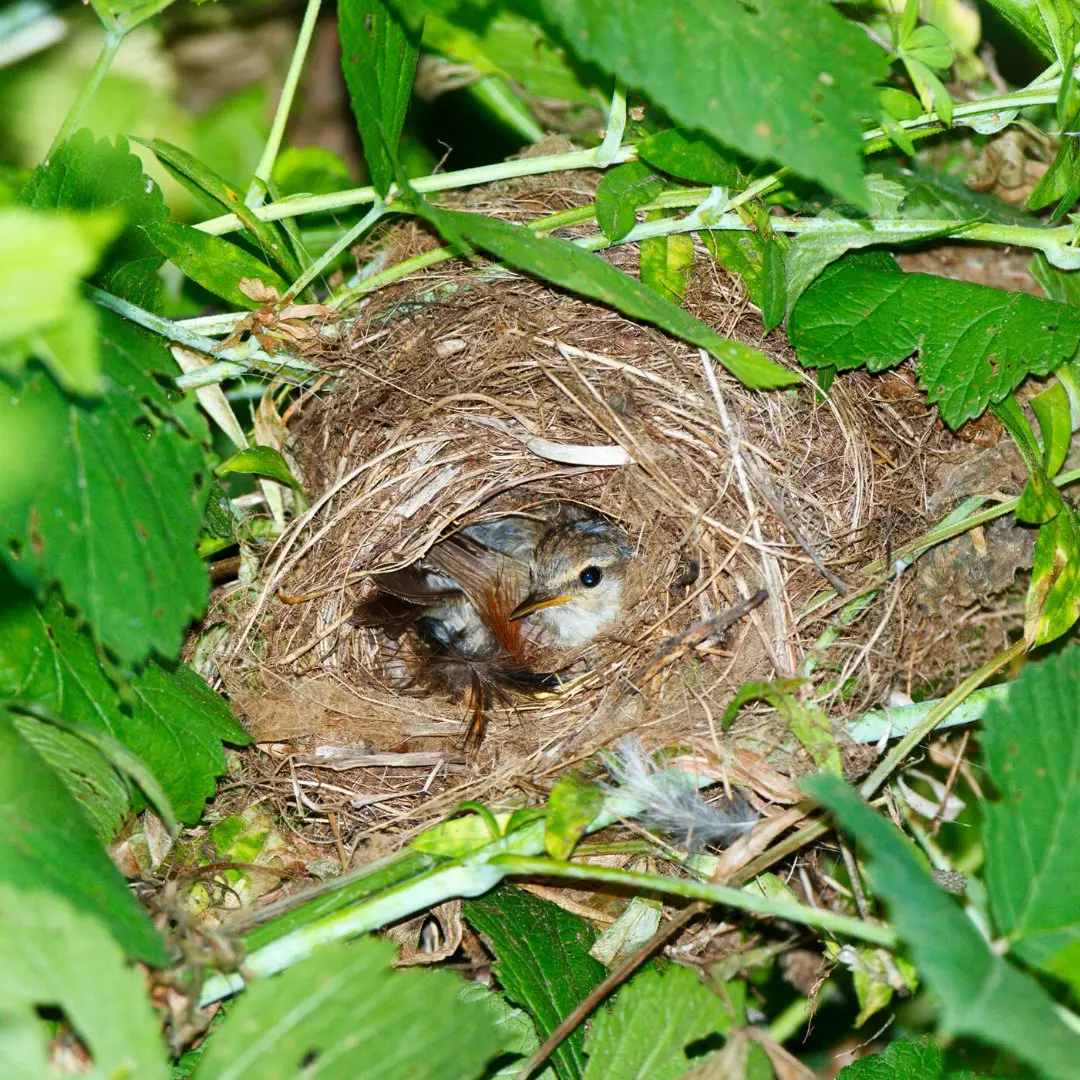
<point x="468" y="392"/>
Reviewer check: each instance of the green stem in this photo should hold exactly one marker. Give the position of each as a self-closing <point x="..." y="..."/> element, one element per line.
<point x="497" y="96"/>
<point x="347" y="238"/>
<point x="264" y="170"/>
<point x="743" y="899"/>
<point x="936" y="715"/>
<point x="114" y="38"/>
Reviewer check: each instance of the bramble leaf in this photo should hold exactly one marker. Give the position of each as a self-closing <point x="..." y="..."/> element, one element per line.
<point x="53" y="956"/>
<point x="975" y="344"/>
<point x="571" y="807"/>
<point x="171" y="719"/>
<point x="689" y="157"/>
<point x="348" y="1013"/>
<point x="46" y="843"/>
<point x="620" y="192"/>
<point x="783" y="80"/>
<point x="542" y="961"/>
<point x="107" y="497"/>
<point x="378" y="57"/>
<point x="1032" y="744"/>
<point x="981" y="994"/>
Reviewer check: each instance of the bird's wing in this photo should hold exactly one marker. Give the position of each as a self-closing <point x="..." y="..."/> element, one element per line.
<point x="416" y="584"/>
<point x="479" y="571"/>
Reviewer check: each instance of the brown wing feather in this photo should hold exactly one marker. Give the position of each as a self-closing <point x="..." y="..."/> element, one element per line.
<point x="479" y="570"/>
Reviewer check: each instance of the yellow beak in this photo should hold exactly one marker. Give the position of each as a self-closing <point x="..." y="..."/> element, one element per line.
<point x="531" y="604"/>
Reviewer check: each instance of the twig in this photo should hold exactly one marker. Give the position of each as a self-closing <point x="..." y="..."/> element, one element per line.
<point x="949" y="781"/>
<point x="614" y="979"/>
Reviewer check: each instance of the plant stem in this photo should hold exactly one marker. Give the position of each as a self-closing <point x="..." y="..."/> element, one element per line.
<point x="743" y="899"/>
<point x="264" y="170"/>
<point x="350" y="236"/>
<point x="114" y="38"/>
<point x="939" y="712"/>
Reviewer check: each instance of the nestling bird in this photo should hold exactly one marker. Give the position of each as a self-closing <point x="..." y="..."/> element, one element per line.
<point x="496" y="599"/>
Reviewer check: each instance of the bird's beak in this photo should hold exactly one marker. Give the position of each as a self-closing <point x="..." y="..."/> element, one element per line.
<point x="535" y="603"/>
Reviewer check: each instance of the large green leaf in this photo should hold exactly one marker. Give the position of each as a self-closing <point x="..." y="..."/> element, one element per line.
<point x="644" y="1035"/>
<point x="571" y="267"/>
<point x="346" y="1014"/>
<point x="170" y="718"/>
<point x="53" y="956"/>
<point x="1026" y="16"/>
<point x="975" y="344"/>
<point x="1032" y="753"/>
<point x="542" y="961"/>
<point x="214" y="263"/>
<point x="94" y="174"/>
<point x="980" y="994"/>
<point x="782" y="80"/>
<point x="107" y="497"/>
<point x="378" y="57"/>
<point x="46" y="843"/>
<point x="904" y="1059"/>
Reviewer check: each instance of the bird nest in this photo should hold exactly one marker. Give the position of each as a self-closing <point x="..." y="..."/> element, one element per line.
<point x="469" y="391"/>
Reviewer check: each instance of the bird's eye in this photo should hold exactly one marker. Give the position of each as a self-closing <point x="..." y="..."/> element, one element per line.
<point x="591" y="576"/>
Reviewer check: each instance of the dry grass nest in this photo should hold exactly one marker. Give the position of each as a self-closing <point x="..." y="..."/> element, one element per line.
<point x="468" y="391"/>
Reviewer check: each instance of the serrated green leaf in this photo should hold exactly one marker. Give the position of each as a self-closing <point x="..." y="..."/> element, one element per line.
<point x="1025" y="16"/>
<point x="212" y="262"/>
<point x="690" y="157"/>
<point x="644" y="1035"/>
<point x="1051" y="409"/>
<point x="619" y="194"/>
<point x="666" y="263"/>
<point x="46" y="843"/>
<point x="107" y="497"/>
<point x="571" y="807"/>
<point x="205" y="183"/>
<point x="93" y="175"/>
<point x="571" y="267"/>
<point x="171" y="719"/>
<point x="784" y="80"/>
<point x="542" y="961"/>
<point x="53" y="956"/>
<point x="1052" y="606"/>
<point x="262" y="461"/>
<point x="981" y="994"/>
<point x="43" y="257"/>
<point x="378" y="57"/>
<point x="904" y="1059"/>
<point x="347" y="1014"/>
<point x="975" y="344"/>
<point x="513" y="1026"/>
<point x="1031" y="742"/>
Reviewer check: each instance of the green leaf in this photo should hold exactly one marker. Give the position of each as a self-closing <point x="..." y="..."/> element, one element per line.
<point x="94" y="175"/>
<point x="43" y="257"/>
<point x="980" y="994"/>
<point x="107" y="497"/>
<point x="689" y="157"/>
<point x="170" y="718"/>
<point x="900" y="104"/>
<point x="346" y="1014"/>
<point x="666" y="262"/>
<point x="513" y="1026"/>
<point x="975" y="344"/>
<point x="46" y="843"/>
<point x="1031" y="742"/>
<point x="1061" y="182"/>
<point x="904" y="1059"/>
<point x="741" y="253"/>
<point x="632" y="929"/>
<point x="1053" y="600"/>
<point x="654" y="1018"/>
<point x="932" y="194"/>
<point x="1025" y="17"/>
<point x="262" y="461"/>
<point x="53" y="956"/>
<point x="784" y="80"/>
<point x="1051" y="409"/>
<point x="573" y="268"/>
<point x="571" y="807"/>
<point x="378" y="57"/>
<point x="206" y="183"/>
<point x="929" y="46"/>
<point x="542" y="962"/>
<point x="773" y="285"/>
<point x="619" y="194"/>
<point x="212" y="262"/>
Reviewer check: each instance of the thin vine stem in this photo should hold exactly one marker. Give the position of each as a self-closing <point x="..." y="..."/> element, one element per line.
<point x="114" y="38"/>
<point x="264" y="170"/>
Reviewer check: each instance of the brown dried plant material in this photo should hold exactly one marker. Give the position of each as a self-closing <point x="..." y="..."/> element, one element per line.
<point x="468" y="392"/>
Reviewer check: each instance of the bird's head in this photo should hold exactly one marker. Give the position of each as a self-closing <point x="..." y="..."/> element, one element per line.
<point x="577" y="582"/>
